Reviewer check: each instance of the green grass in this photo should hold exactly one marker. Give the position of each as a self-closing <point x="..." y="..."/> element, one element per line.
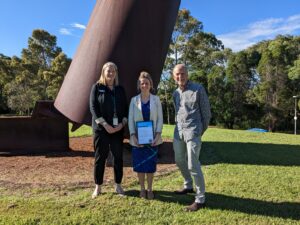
<point x="83" y="131"/>
<point x="251" y="178"/>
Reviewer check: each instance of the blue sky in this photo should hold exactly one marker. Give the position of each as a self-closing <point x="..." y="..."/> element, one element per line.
<point x="237" y="23"/>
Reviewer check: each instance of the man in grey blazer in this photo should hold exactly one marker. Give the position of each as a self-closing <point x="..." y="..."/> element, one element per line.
<point x="192" y="110"/>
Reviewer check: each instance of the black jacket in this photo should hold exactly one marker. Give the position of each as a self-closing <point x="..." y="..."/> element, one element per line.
<point x="102" y="104"/>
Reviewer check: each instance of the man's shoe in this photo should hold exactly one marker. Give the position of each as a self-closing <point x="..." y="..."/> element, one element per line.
<point x="195" y="206"/>
<point x="184" y="191"/>
<point x="150" y="195"/>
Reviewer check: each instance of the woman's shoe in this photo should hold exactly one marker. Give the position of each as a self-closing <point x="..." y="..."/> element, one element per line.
<point x="119" y="189"/>
<point x="96" y="192"/>
<point x="143" y="194"/>
<point x="150" y="195"/>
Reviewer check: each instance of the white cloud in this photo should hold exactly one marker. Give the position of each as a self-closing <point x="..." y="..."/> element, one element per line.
<point x="70" y="31"/>
<point x="260" y="30"/>
<point x="79" y="26"/>
<point x="65" y="31"/>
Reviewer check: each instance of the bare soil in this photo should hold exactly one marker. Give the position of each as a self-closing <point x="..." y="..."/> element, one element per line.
<point x="73" y="168"/>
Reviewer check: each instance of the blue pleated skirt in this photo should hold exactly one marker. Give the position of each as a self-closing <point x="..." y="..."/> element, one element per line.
<point x="144" y="159"/>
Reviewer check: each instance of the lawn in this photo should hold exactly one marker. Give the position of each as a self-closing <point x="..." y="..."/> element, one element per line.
<point x="251" y="178"/>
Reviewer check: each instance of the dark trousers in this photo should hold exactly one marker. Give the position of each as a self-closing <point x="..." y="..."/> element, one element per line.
<point x="103" y="143"/>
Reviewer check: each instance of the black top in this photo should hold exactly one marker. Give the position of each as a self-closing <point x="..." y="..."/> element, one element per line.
<point x="102" y="104"/>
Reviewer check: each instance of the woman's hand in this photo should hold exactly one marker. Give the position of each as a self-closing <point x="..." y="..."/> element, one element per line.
<point x="156" y="139"/>
<point x="109" y="128"/>
<point x="119" y="127"/>
<point x="135" y="141"/>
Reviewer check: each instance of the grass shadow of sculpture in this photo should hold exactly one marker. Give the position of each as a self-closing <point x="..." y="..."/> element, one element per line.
<point x="285" y="210"/>
<point x="250" y="154"/>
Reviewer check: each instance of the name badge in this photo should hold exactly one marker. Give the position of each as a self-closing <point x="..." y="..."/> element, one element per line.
<point x="115" y="121"/>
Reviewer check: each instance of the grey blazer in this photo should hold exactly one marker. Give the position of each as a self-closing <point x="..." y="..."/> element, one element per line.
<point x="135" y="114"/>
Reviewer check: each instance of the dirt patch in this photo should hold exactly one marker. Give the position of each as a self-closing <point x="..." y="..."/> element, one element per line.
<point x="69" y="168"/>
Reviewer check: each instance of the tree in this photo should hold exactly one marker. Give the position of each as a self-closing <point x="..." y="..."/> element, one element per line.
<point x="165" y="91"/>
<point x="191" y="46"/>
<point x="6" y="75"/>
<point x="41" y="49"/>
<point x="294" y="71"/>
<point x="275" y="90"/>
<point x="239" y="80"/>
<point x="185" y="28"/>
<point x="37" y="75"/>
<point x="56" y="74"/>
<point x="294" y="76"/>
<point x="21" y="97"/>
<point x="218" y="97"/>
<point x="38" y="57"/>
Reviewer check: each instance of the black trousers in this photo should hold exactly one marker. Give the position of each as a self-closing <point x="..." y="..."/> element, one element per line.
<point x="103" y="143"/>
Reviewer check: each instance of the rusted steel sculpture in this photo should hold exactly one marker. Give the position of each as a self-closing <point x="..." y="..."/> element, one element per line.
<point x="46" y="130"/>
<point x="134" y="34"/>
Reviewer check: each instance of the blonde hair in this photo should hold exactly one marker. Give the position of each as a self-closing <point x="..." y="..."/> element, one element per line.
<point x="102" y="77"/>
<point x="145" y="75"/>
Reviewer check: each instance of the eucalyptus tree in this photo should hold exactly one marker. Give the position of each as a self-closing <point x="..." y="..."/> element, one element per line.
<point x="191" y="46"/>
<point x="238" y="79"/>
<point x="38" y="57"/>
<point x="20" y="91"/>
<point x="294" y="76"/>
<point x="275" y="89"/>
<point x="37" y="75"/>
<point x="185" y="28"/>
<point x="6" y="75"/>
<point x="56" y="74"/>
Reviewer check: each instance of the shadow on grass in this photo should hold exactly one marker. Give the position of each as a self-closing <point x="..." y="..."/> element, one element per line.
<point x="250" y="153"/>
<point x="285" y="210"/>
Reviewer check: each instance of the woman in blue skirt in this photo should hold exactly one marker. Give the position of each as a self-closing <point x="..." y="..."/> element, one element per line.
<point x="145" y="107"/>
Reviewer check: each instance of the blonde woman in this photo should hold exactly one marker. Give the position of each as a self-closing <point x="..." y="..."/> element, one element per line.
<point x="109" y="109"/>
<point x="145" y="107"/>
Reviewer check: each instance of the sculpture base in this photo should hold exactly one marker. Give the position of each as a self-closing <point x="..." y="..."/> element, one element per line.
<point x="46" y="130"/>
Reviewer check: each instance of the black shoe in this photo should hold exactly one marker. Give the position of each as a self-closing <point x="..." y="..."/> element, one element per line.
<point x="184" y="191"/>
<point x="195" y="206"/>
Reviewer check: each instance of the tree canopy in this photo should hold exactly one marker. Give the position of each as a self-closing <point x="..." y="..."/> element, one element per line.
<point x="250" y="88"/>
<point x="37" y="75"/>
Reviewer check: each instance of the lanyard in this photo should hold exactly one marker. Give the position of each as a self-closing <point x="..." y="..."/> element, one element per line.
<point x="114" y="101"/>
